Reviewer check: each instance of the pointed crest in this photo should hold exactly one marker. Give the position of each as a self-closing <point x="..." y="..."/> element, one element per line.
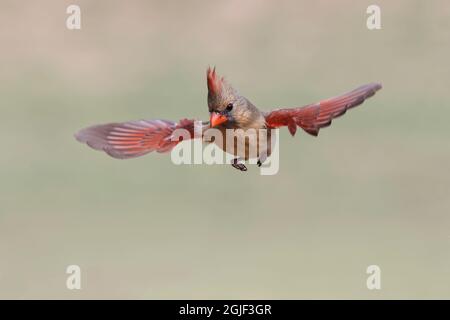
<point x="214" y="81"/>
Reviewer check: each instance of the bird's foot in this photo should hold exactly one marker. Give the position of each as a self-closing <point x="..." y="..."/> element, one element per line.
<point x="238" y="166"/>
<point x="259" y="163"/>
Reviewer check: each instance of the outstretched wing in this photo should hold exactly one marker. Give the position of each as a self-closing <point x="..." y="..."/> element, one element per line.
<point x="134" y="138"/>
<point x="318" y="115"/>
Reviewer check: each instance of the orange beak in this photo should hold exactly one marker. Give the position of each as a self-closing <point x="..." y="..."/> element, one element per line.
<point x="217" y="118"/>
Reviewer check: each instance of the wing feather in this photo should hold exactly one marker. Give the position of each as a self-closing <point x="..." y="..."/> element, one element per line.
<point x="134" y="138"/>
<point x="313" y="117"/>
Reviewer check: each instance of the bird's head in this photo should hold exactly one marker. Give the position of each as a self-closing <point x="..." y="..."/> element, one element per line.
<point x="225" y="104"/>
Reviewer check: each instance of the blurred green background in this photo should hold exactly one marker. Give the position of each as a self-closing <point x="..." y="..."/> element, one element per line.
<point x="371" y="189"/>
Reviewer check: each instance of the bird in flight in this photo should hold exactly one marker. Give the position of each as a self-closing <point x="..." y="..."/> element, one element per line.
<point x="228" y="111"/>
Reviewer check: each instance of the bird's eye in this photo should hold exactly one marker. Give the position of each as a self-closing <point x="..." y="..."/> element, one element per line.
<point x="229" y="107"/>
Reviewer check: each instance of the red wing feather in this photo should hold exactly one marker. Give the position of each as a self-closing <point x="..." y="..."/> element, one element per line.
<point x="315" y="116"/>
<point x="134" y="138"/>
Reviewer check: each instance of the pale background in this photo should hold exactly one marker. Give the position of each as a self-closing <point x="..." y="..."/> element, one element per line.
<point x="372" y="189"/>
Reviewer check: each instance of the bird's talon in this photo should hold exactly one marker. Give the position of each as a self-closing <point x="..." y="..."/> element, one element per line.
<point x="238" y="166"/>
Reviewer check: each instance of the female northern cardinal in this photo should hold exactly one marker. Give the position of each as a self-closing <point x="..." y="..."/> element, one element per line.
<point x="228" y="110"/>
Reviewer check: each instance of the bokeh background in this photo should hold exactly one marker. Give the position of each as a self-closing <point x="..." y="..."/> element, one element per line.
<point x="372" y="189"/>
